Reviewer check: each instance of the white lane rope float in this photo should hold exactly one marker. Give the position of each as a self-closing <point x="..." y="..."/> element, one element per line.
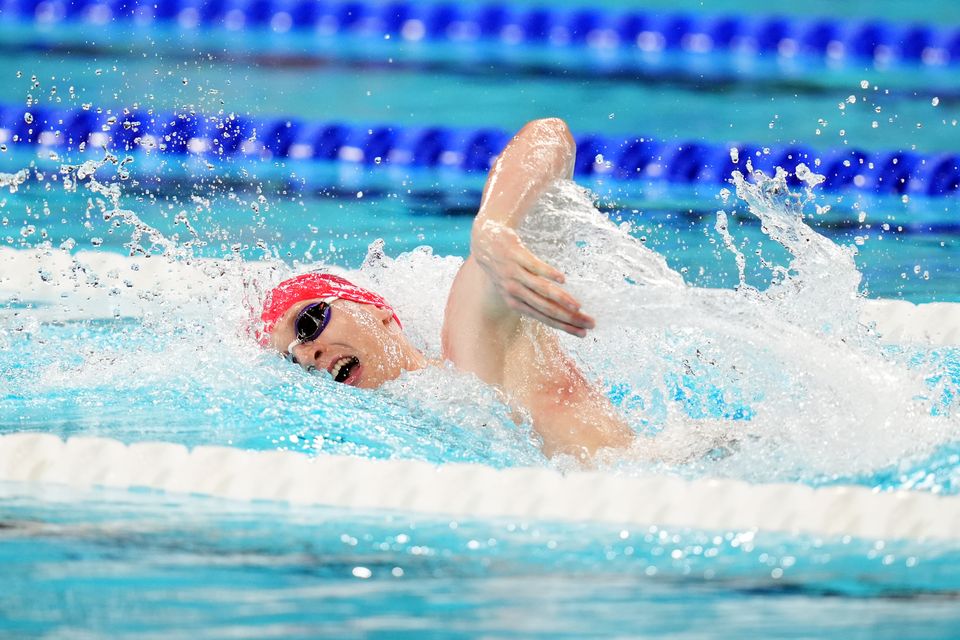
<point x="455" y="489"/>
<point x="464" y="490"/>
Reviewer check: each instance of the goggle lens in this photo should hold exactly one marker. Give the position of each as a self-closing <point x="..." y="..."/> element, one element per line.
<point x="311" y="321"/>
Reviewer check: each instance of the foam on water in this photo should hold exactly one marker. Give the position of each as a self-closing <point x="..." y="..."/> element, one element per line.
<point x="783" y="383"/>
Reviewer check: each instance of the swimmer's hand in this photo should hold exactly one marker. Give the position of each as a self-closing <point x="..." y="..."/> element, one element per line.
<point x="527" y="284"/>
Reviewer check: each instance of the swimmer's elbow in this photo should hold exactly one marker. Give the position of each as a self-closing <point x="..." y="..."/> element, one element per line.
<point x="555" y="124"/>
<point x="549" y="128"/>
<point x="554" y="135"/>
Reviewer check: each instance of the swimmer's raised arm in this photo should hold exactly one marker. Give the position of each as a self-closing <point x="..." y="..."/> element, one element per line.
<point x="520" y="282"/>
<point x="501" y="286"/>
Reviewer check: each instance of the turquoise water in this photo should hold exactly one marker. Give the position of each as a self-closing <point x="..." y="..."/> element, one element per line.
<point x="140" y="564"/>
<point x="272" y="571"/>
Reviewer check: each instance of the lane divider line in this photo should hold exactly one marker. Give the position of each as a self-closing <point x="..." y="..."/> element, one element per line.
<point x="475" y="491"/>
<point x="645" y="32"/>
<point x="378" y="148"/>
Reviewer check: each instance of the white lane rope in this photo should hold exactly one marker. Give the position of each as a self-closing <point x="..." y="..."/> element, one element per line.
<point x="461" y="490"/>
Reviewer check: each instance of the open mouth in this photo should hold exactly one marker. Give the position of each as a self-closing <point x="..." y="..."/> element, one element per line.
<point x="343" y="368"/>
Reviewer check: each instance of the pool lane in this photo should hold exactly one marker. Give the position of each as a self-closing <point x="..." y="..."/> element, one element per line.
<point x="879" y="116"/>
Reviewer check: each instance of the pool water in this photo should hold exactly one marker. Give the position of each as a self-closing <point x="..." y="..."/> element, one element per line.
<point x="107" y="563"/>
<point x="273" y="571"/>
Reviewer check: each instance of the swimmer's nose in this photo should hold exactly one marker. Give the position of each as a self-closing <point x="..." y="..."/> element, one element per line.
<point x="308" y="355"/>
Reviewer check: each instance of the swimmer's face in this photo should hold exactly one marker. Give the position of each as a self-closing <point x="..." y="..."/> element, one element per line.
<point x="361" y="346"/>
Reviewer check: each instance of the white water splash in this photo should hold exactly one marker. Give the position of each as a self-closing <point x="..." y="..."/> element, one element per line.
<point x="820" y="396"/>
<point x="12" y="181"/>
<point x="107" y="199"/>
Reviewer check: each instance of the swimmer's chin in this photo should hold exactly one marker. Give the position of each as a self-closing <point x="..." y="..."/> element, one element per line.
<point x="399" y="380"/>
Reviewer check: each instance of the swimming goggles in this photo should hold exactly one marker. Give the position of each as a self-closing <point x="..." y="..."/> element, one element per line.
<point x="309" y="324"/>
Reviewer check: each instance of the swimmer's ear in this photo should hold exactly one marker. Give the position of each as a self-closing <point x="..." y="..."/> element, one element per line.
<point x="383" y="316"/>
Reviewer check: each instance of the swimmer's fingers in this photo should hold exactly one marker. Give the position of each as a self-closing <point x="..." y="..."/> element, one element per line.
<point x="496" y="243"/>
<point x="523" y="308"/>
<point x="535" y="284"/>
<point x="560" y="315"/>
<point x="527" y="284"/>
<point x="553" y="302"/>
<point x="548" y="290"/>
<point x="529" y="261"/>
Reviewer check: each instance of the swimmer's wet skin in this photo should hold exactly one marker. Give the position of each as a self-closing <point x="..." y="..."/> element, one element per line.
<point x="499" y="316"/>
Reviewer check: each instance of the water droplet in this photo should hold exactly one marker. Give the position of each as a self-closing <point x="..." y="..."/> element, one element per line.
<point x="28" y="117"/>
<point x="864" y="84"/>
<point x="935" y="101"/>
<point x="612" y="116"/>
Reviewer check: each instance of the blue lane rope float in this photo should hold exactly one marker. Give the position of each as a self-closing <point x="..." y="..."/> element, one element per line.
<point x="825" y="38"/>
<point x="467" y="150"/>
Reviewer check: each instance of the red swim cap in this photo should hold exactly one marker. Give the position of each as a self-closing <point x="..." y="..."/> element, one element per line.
<point x="308" y="286"/>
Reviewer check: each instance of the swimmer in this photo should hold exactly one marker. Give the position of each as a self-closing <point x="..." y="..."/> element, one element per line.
<point x="500" y="319"/>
